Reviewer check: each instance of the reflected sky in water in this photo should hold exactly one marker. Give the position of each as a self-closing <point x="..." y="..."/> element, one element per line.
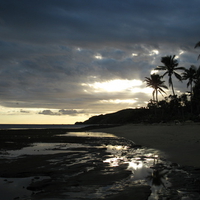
<point x="141" y="162"/>
<point x="87" y="134"/>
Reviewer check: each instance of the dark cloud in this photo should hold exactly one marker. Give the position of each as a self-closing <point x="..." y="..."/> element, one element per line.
<point x="49" y="48"/>
<point x="99" y="21"/>
<point x="61" y="112"/>
<point x="47" y="112"/>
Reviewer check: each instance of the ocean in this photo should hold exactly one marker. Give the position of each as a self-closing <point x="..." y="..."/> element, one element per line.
<point x="40" y="126"/>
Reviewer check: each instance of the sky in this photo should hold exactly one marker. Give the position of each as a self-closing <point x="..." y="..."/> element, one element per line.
<point x="63" y="61"/>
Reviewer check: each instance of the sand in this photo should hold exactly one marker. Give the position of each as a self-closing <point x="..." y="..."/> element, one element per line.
<point x="62" y="175"/>
<point x="180" y="143"/>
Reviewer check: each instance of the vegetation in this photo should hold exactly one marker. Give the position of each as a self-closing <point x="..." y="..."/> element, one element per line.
<point x="157" y="84"/>
<point x="171" y="67"/>
<point x="190" y="75"/>
<point x="172" y="108"/>
<point x="175" y="107"/>
<point x="197" y="45"/>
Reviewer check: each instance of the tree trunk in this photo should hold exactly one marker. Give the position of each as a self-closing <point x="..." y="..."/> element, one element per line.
<point x="173" y="89"/>
<point x="191" y="99"/>
<point x="157" y="97"/>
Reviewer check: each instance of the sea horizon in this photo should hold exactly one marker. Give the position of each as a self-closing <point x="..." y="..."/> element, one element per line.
<point x="39" y="126"/>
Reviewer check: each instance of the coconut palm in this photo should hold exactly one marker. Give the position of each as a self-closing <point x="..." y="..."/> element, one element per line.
<point x="197" y="45"/>
<point x="190" y="75"/>
<point x="170" y="66"/>
<point x="196" y="92"/>
<point x="155" y="82"/>
<point x="197" y="75"/>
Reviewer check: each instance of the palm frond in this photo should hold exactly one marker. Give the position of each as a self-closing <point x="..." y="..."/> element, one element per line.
<point x="164" y="74"/>
<point x="193" y="67"/>
<point x="161" y="91"/>
<point x="178" y="76"/>
<point x="164" y="86"/>
<point x="197" y="45"/>
<point x="179" y="68"/>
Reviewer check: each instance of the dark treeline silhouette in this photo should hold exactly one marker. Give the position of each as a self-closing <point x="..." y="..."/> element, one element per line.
<point x="172" y="108"/>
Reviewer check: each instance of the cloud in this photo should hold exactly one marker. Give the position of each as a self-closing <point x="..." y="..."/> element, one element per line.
<point x="24" y="111"/>
<point x="48" y="49"/>
<point x="61" y="112"/>
<point x="47" y="112"/>
<point x="110" y="22"/>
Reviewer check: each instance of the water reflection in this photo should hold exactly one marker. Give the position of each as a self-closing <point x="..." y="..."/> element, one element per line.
<point x="80" y="159"/>
<point x="44" y="149"/>
<point x="157" y="177"/>
<point x="87" y="134"/>
<point x="145" y="166"/>
<point x="15" y="188"/>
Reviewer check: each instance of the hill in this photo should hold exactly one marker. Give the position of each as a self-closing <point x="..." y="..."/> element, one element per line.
<point x="120" y="117"/>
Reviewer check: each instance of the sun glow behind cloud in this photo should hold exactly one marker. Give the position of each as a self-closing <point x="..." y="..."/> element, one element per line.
<point x="142" y="90"/>
<point x="117" y="101"/>
<point x="119" y="91"/>
<point x="154" y="71"/>
<point x="98" y="56"/>
<point x="154" y="52"/>
<point x="117" y="85"/>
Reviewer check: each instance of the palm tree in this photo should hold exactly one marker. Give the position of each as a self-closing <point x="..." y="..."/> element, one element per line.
<point x="170" y="66"/>
<point x="197" y="75"/>
<point x="196" y="92"/>
<point x="190" y="75"/>
<point x="157" y="84"/>
<point x="197" y="45"/>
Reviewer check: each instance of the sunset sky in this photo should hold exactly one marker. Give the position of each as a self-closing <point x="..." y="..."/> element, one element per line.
<point x="63" y="61"/>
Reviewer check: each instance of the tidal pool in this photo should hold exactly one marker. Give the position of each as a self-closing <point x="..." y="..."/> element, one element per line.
<point x="98" y="167"/>
<point x="87" y="134"/>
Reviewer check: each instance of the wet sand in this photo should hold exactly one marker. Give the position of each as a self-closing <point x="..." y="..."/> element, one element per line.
<point x="68" y="173"/>
<point x="179" y="142"/>
<point x="58" y="175"/>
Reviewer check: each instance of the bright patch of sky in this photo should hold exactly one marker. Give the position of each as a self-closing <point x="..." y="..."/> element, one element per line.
<point x="117" y="85"/>
<point x="153" y="71"/>
<point x="117" y="101"/>
<point x="154" y="52"/>
<point x="98" y="56"/>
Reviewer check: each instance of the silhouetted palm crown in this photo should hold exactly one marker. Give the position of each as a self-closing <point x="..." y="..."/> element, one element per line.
<point x="197" y="45"/>
<point x="170" y="66"/>
<point x="190" y="75"/>
<point x="155" y="82"/>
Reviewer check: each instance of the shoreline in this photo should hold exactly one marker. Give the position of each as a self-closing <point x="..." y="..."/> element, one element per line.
<point x="71" y="167"/>
<point x="46" y="171"/>
<point x="180" y="143"/>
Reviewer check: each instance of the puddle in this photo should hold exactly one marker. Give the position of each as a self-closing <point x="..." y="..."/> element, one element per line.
<point x="82" y="161"/>
<point x="87" y="134"/>
<point x="43" y="149"/>
<point x="16" y="188"/>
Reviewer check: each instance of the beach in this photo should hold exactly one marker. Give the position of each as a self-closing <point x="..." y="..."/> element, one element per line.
<point x="180" y="143"/>
<point x="55" y="164"/>
<point x="50" y="165"/>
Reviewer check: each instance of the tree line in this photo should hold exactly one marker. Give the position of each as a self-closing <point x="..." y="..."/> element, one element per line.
<point x="173" y="107"/>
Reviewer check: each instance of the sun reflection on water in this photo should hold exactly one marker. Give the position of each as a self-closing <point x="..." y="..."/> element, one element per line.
<point x="145" y="167"/>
